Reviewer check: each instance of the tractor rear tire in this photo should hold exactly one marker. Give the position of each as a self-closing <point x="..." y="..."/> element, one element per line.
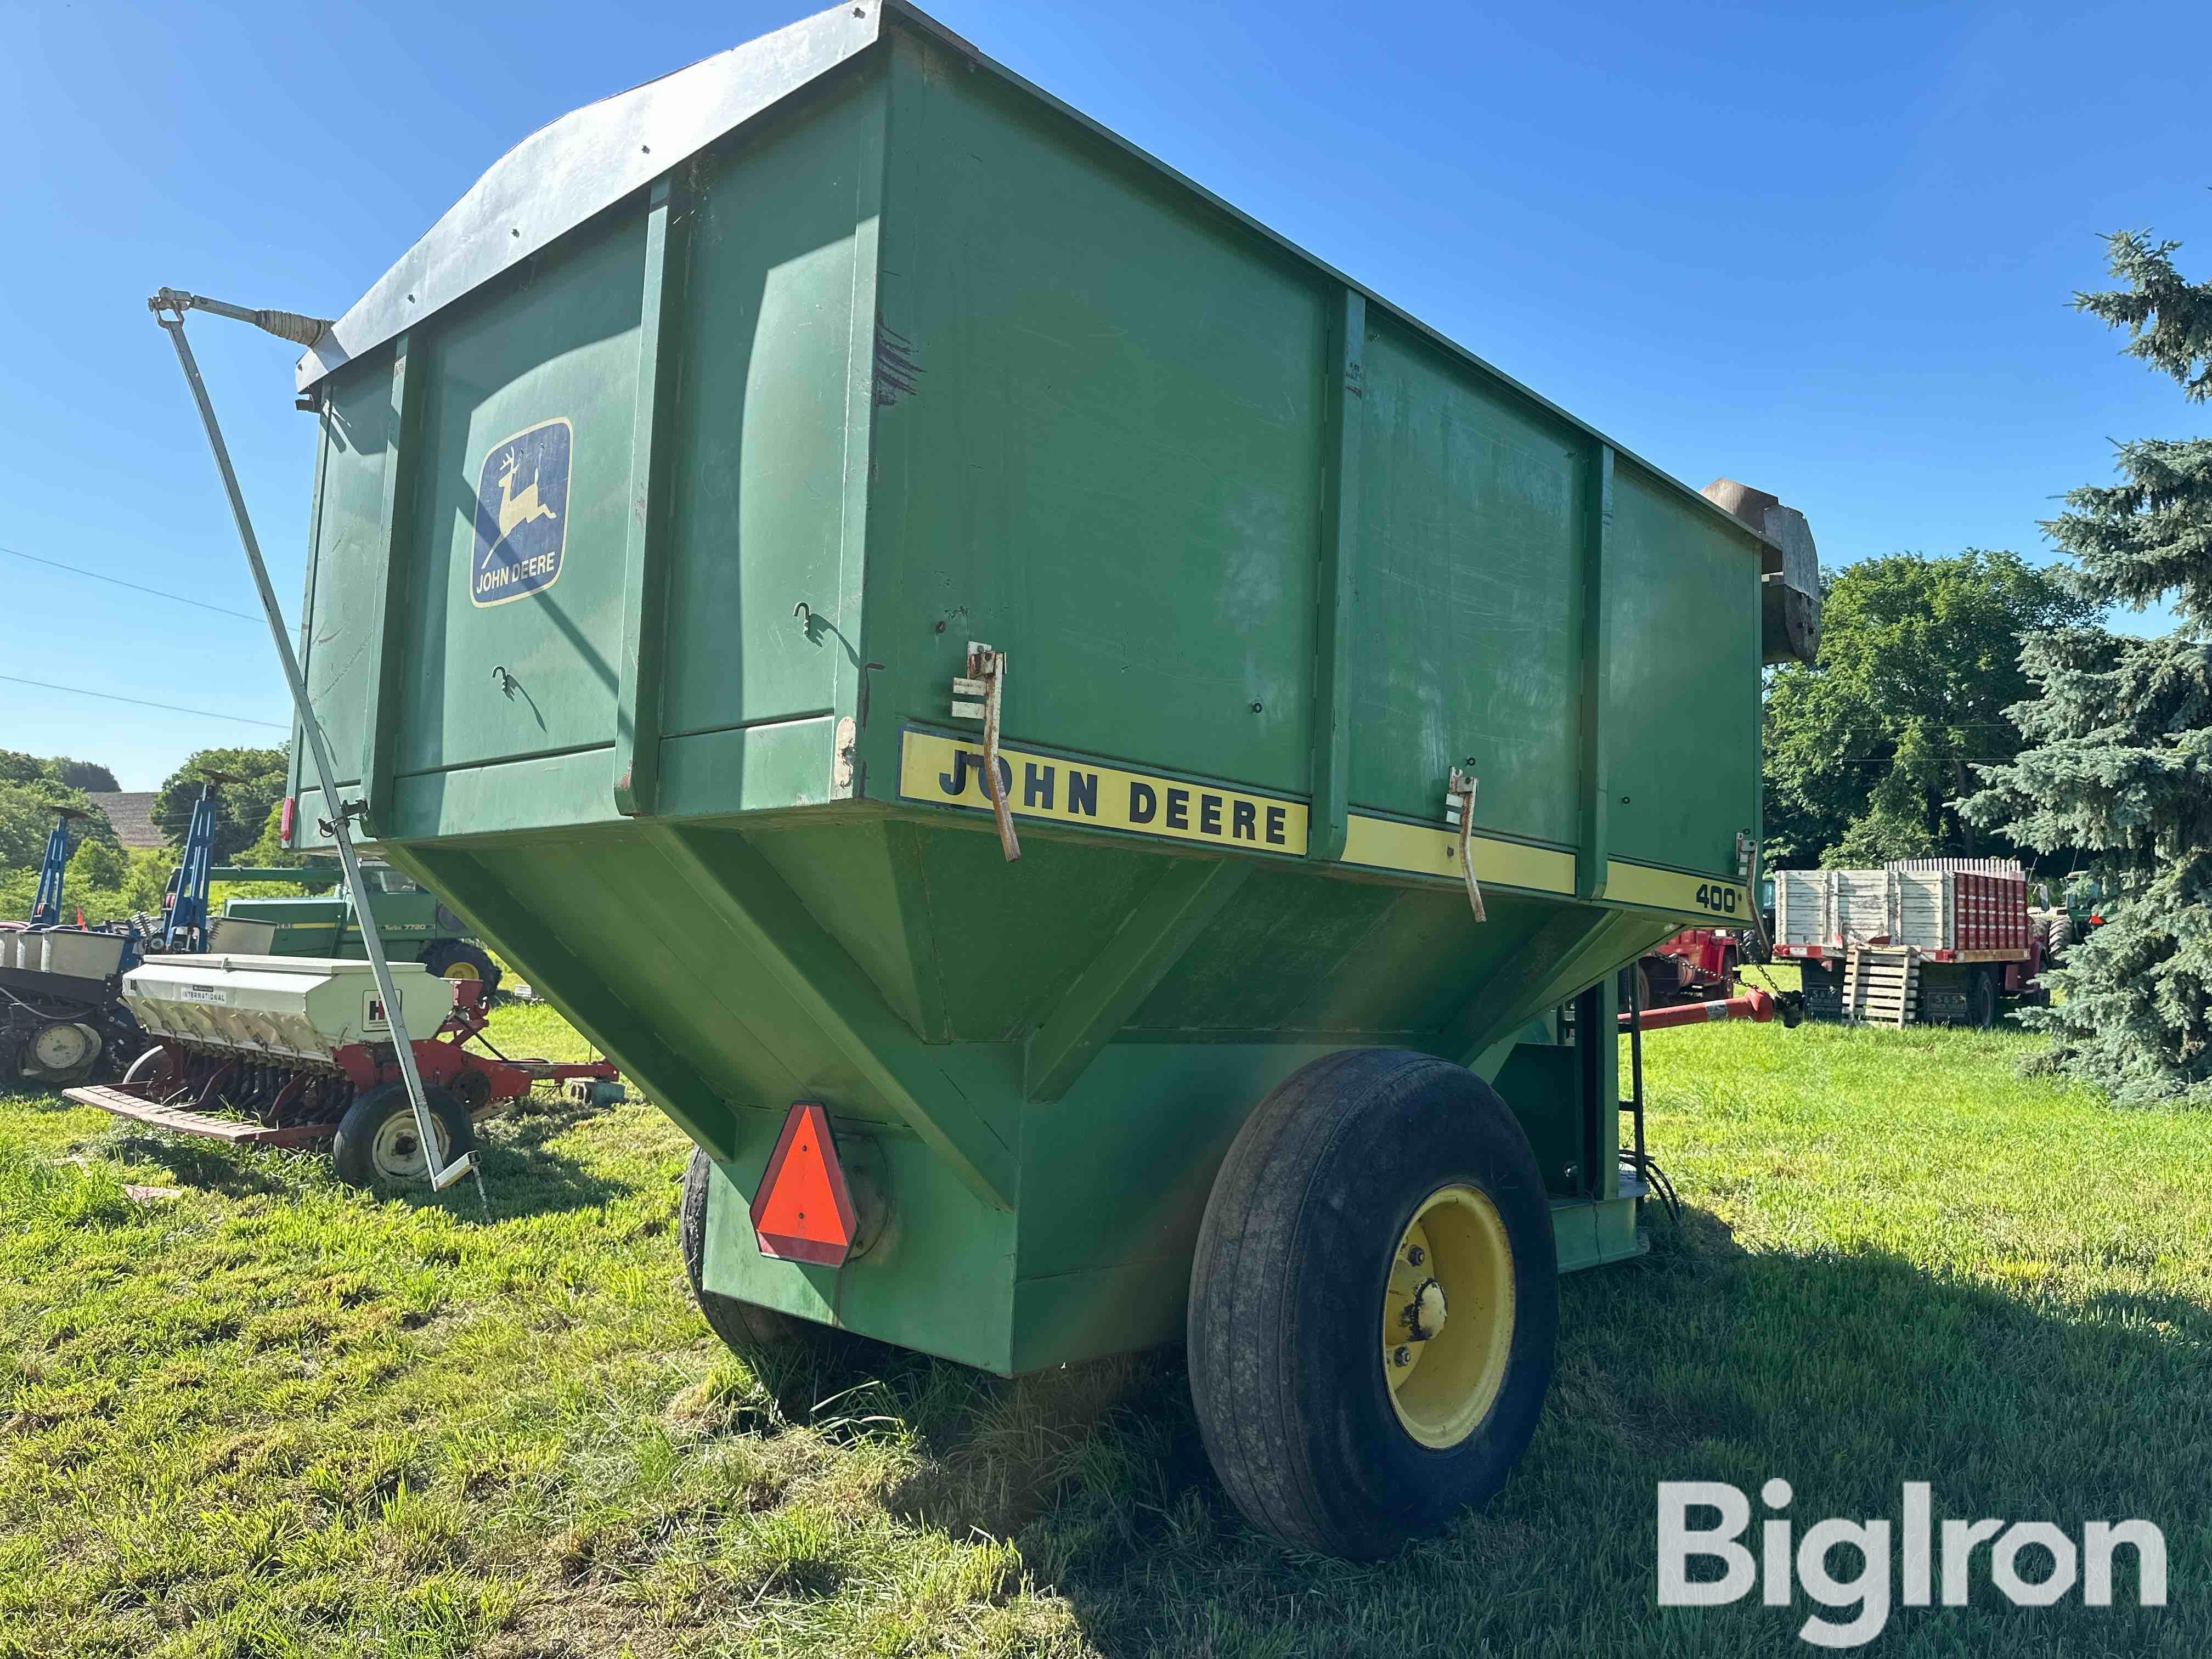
<point x="378" y="1144"/>
<point x="456" y="958"/>
<point x="1374" y="1190"/>
<point x="747" y="1329"/>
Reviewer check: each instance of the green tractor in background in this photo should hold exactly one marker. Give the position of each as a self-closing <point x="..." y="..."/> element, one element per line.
<point x="2067" y="909"/>
<point x="415" y="926"/>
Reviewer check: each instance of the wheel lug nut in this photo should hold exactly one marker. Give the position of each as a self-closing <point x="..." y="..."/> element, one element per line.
<point x="1416" y="1256"/>
<point x="1401" y="1356"/>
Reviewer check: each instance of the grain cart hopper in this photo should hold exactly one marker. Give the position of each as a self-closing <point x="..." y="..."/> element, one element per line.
<point x="290" y="1051"/>
<point x="774" y="498"/>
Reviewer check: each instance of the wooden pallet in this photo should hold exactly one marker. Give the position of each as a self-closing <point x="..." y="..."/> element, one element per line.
<point x="242" y="1132"/>
<point x="1881" y="984"/>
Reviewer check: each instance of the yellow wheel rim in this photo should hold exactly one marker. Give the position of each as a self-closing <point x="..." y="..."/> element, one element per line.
<point x="461" y="970"/>
<point x="1447" y="1315"/>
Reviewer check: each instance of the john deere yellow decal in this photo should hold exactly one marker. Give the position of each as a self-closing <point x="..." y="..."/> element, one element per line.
<point x="522" y="514"/>
<point x="949" y="773"/>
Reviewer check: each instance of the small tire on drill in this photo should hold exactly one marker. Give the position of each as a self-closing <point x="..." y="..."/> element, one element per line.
<point x="379" y="1143"/>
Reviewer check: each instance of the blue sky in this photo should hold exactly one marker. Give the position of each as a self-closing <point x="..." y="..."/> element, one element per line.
<point x="1824" y="248"/>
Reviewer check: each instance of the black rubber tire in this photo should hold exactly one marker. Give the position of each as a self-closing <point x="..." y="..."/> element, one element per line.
<point x="1983" y="996"/>
<point x="353" y="1150"/>
<point x="1285" y="1373"/>
<point x="747" y="1330"/>
<point x="2062" y="934"/>
<point x="440" y="954"/>
<point x="1636" y="976"/>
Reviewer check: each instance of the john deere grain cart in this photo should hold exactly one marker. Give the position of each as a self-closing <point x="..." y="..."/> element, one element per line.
<point x="1101" y="772"/>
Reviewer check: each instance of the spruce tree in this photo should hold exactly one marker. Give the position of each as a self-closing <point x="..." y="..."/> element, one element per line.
<point x="2117" y="754"/>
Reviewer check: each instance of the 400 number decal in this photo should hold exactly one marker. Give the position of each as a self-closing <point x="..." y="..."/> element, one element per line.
<point x="1717" y="897"/>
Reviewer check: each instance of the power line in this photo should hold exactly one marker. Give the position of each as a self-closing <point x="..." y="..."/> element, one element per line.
<point x="170" y="707"/>
<point x="173" y="598"/>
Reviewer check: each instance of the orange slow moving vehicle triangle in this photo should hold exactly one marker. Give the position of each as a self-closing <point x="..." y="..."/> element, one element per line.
<point x="803" y="1210"/>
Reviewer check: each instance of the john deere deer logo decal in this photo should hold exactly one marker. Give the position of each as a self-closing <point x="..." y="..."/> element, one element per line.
<point x="522" y="514"/>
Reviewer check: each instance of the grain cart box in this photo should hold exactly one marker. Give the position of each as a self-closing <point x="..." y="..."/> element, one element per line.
<point x="773" y="498"/>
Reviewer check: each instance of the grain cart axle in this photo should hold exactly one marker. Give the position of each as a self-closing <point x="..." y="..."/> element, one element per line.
<point x="288" y="1051"/>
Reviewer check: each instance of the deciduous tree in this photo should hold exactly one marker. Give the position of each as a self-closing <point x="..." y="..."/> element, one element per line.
<point x="1867" y="747"/>
<point x="242" y="807"/>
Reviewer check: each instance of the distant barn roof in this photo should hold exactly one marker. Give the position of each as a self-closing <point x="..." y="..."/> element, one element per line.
<point x="132" y="813"/>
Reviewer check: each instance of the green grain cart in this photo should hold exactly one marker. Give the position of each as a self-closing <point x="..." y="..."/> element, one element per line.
<point x="873" y="593"/>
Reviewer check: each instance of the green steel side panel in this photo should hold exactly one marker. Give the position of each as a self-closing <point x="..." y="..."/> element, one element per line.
<point x="1541" y="1082"/>
<point x="1599" y="611"/>
<point x="1292" y="954"/>
<point x="1118" y="1169"/>
<point x="776" y="945"/>
<point x="1683" y="721"/>
<point x="561" y="345"/>
<point x="357" y="430"/>
<point x="1133" y="958"/>
<point x="303" y="622"/>
<point x="1360" y="961"/>
<point x="1337" y="579"/>
<point x="746" y="768"/>
<point x="1472" y="526"/>
<point x="640" y="658"/>
<point x="1098" y="443"/>
<point x="941" y="1282"/>
<point x="1007" y="940"/>
<point x="490" y="887"/>
<point x="845" y="875"/>
<point x="1065" y="1318"/>
<point x="1116" y="1175"/>
<point x="758" y="492"/>
<point x="550" y="792"/>
<point x="707" y="994"/>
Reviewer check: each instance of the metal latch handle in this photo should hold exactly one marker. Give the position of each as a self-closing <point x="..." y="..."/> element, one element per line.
<point x="985" y="680"/>
<point x="1459" y="807"/>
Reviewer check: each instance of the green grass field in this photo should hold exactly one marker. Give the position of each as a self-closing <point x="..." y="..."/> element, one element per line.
<point x="272" y="1416"/>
